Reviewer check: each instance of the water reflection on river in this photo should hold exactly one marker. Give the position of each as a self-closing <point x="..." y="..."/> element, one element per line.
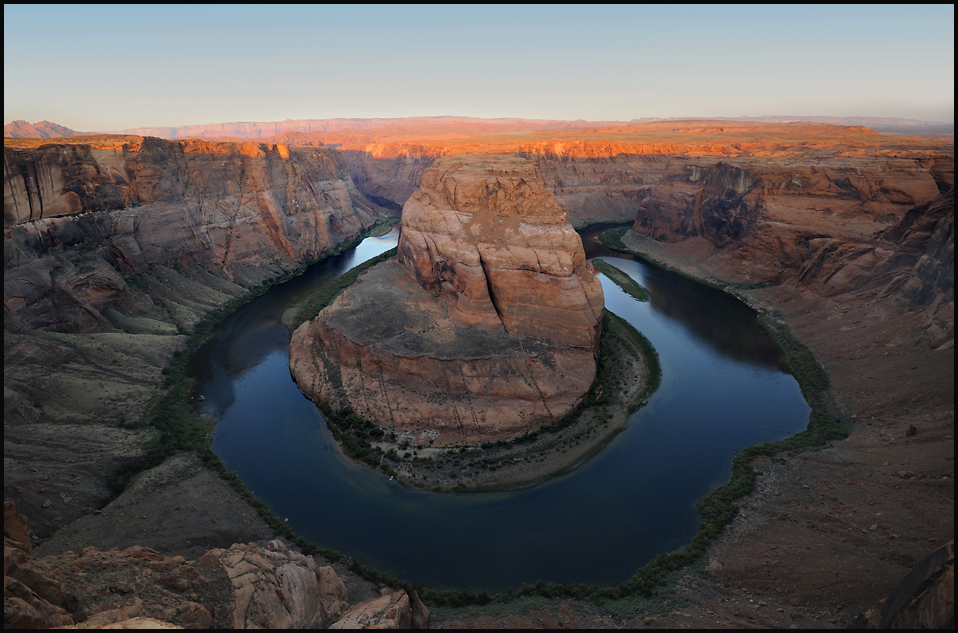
<point x="723" y="389"/>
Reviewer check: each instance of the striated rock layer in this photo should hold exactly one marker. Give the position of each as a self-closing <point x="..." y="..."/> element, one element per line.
<point x="912" y="262"/>
<point x="114" y="248"/>
<point x="604" y="174"/>
<point x="876" y="226"/>
<point x="484" y="328"/>
<point x="488" y="234"/>
<point x="81" y="218"/>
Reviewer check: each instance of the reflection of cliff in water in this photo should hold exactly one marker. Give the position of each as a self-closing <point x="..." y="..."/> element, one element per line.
<point x="254" y="332"/>
<point x="251" y="340"/>
<point x="608" y="516"/>
<point x="246" y="338"/>
<point x="716" y="318"/>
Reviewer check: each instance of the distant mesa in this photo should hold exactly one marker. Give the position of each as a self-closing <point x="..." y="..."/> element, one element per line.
<point x="484" y="328"/>
<point x="417" y="129"/>
<point x="43" y="129"/>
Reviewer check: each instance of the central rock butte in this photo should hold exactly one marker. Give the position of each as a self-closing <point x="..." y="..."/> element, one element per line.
<point x="484" y="328"/>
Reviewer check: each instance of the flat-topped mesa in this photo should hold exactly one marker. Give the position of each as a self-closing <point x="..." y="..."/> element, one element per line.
<point x="487" y="326"/>
<point x="487" y="233"/>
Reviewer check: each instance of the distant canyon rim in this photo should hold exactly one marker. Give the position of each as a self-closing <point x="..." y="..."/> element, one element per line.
<point x="115" y="247"/>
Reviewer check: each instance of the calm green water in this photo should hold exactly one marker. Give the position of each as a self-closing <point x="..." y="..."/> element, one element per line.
<point x="723" y="388"/>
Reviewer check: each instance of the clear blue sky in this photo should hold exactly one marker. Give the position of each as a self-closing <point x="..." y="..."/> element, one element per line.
<point x="112" y="67"/>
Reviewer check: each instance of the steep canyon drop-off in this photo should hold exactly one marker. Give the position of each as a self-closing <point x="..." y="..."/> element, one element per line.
<point x="115" y="246"/>
<point x="754" y="203"/>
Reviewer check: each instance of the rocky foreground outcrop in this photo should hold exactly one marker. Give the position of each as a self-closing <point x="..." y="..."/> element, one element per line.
<point x="484" y="328"/>
<point x="242" y="587"/>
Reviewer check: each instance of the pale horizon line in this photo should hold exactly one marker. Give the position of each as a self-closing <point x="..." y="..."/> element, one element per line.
<point x="646" y="119"/>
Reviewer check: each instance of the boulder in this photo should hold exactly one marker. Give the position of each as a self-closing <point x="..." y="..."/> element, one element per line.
<point x="277" y="588"/>
<point x="393" y="609"/>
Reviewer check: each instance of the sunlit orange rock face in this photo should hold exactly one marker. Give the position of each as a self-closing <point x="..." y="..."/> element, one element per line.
<point x="484" y="328"/>
<point x="488" y="233"/>
<point x="604" y="172"/>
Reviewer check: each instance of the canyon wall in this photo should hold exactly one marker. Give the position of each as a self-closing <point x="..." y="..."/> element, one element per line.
<point x="485" y="328"/>
<point x="588" y="183"/>
<point x="82" y="221"/>
<point x="763" y="205"/>
<point x="772" y="206"/>
<point x="114" y="248"/>
<point x="912" y="262"/>
<point x="873" y="226"/>
<point x="846" y="237"/>
<point x="616" y="182"/>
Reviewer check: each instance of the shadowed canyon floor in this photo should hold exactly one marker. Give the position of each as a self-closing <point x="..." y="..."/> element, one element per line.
<point x="820" y="225"/>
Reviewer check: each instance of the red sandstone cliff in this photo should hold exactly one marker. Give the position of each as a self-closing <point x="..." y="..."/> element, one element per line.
<point x="773" y="206"/>
<point x="484" y="329"/>
<point x="487" y="232"/>
<point x="836" y="246"/>
<point x="912" y="262"/>
<point x="240" y="212"/>
<point x="603" y="172"/>
<point x="114" y="247"/>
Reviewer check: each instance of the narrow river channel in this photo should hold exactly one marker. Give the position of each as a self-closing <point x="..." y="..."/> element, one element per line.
<point x="723" y="388"/>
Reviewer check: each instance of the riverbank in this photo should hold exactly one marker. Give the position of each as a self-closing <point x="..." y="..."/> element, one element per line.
<point x="123" y="398"/>
<point x="835" y="528"/>
<point x="628" y="374"/>
<point x="826" y="532"/>
<point x="758" y="574"/>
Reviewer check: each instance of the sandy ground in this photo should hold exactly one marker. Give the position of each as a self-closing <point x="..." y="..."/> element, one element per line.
<point x="178" y="508"/>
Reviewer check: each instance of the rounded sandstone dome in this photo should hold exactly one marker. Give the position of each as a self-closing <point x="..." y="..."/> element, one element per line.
<point x="486" y="327"/>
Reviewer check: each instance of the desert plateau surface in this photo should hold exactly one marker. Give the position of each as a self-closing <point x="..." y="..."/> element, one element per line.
<point x="127" y="256"/>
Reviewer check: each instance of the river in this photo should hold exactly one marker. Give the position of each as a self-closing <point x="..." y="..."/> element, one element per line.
<point x="723" y="388"/>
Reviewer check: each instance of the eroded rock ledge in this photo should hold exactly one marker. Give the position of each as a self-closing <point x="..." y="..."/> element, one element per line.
<point x="485" y="327"/>
<point x="243" y="587"/>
